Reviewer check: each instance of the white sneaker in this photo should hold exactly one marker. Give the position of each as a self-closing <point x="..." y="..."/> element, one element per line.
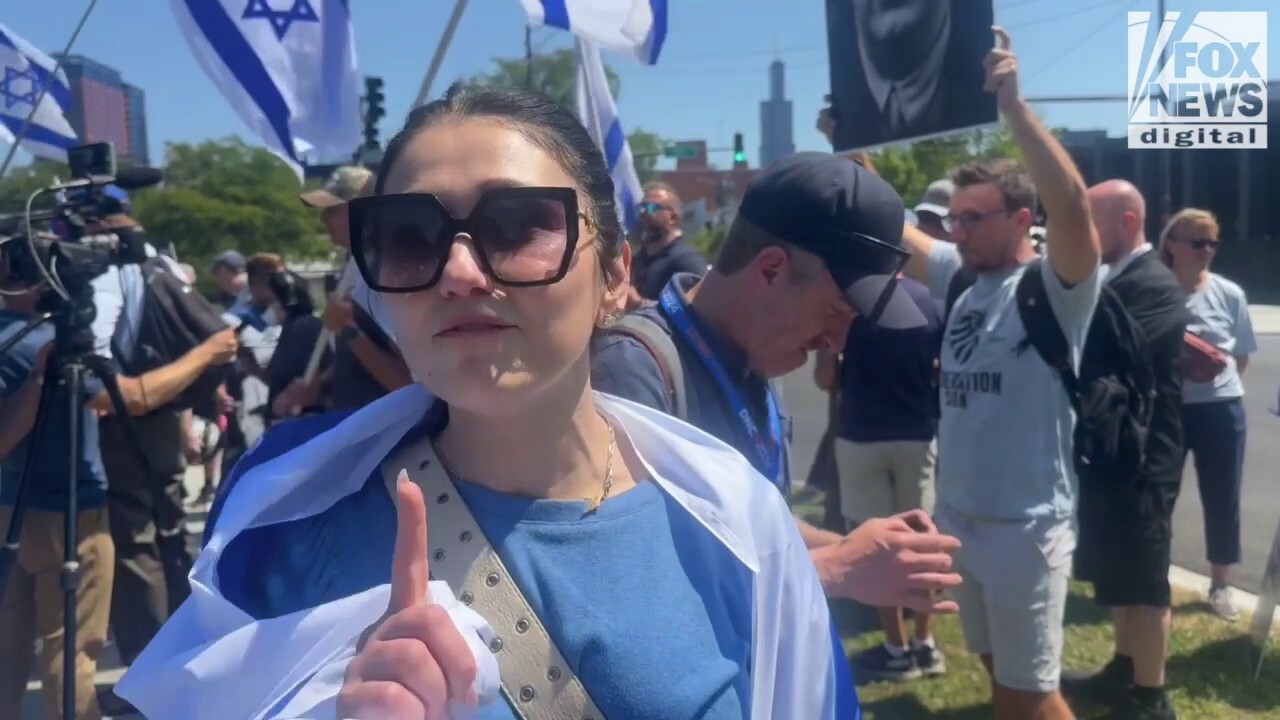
<point x="1223" y="602"/>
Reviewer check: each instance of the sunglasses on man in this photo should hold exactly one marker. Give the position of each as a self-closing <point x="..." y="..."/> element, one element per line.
<point x="651" y="208"/>
<point x="522" y="236"/>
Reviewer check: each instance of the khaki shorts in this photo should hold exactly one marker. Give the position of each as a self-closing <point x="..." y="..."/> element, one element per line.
<point x="1014" y="594"/>
<point x="884" y="478"/>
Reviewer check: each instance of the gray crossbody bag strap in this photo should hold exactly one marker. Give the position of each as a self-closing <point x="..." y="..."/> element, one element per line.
<point x="663" y="349"/>
<point x="535" y="677"/>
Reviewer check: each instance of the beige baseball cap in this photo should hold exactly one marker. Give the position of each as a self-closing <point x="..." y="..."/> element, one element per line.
<point x="345" y="184"/>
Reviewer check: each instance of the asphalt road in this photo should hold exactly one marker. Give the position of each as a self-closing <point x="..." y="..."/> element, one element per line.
<point x="1261" y="495"/>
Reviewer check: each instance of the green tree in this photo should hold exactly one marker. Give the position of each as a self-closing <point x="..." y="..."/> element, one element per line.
<point x="646" y="149"/>
<point x="226" y="194"/>
<point x="910" y="169"/>
<point x="18" y="184"/>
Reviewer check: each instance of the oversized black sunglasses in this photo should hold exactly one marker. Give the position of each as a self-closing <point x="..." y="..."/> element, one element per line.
<point x="523" y="237"/>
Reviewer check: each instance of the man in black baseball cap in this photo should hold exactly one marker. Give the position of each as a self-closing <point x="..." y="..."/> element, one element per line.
<point x="815" y="244"/>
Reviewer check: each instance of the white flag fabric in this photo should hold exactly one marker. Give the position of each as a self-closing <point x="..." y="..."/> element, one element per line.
<point x="597" y="111"/>
<point x="287" y="68"/>
<point x="631" y="27"/>
<point x="26" y="73"/>
<point x="214" y="660"/>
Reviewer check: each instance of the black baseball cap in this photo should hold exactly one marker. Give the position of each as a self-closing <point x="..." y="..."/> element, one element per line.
<point x="845" y="214"/>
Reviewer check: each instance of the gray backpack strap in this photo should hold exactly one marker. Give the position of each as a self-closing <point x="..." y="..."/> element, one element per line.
<point x="663" y="349"/>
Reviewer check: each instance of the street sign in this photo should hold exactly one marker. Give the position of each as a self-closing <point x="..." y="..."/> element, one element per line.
<point x="1264" y="613"/>
<point x="680" y="152"/>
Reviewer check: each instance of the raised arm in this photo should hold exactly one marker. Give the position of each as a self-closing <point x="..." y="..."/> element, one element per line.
<point x="1072" y="240"/>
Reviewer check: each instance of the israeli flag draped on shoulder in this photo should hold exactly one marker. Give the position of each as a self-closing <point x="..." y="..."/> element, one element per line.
<point x="26" y="73"/>
<point x="213" y="660"/>
<point x="288" y="69"/>
<point x="631" y="27"/>
<point x="597" y="111"/>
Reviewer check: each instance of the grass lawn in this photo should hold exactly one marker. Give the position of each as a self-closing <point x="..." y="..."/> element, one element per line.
<point x="1210" y="670"/>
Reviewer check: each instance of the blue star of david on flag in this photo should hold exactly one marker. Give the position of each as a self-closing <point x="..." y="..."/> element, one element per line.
<point x="39" y="121"/>
<point x="10" y="88"/>
<point x="281" y="20"/>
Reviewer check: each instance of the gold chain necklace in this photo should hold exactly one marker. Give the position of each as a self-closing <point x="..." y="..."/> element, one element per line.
<point x="592" y="504"/>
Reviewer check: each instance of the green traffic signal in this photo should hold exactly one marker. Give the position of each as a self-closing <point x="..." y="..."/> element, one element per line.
<point x="739" y="157"/>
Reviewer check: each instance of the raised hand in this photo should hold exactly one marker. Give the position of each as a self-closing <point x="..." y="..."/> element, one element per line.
<point x="416" y="662"/>
<point x="1002" y="72"/>
<point x="900" y="561"/>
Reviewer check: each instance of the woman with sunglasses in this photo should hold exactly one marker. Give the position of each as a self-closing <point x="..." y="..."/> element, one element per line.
<point x="1219" y="343"/>
<point x="667" y="573"/>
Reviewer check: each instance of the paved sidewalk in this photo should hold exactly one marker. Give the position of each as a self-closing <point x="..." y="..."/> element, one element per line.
<point x="1266" y="319"/>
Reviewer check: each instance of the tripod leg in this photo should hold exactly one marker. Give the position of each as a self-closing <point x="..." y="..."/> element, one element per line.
<point x="70" y="560"/>
<point x="9" y="553"/>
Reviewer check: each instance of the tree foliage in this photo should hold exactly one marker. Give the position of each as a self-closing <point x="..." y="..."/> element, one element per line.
<point x="553" y="74"/>
<point x="910" y="169"/>
<point x="217" y="195"/>
<point x="225" y="194"/>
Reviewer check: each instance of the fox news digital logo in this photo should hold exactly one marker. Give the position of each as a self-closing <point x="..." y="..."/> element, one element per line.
<point x="1198" y="80"/>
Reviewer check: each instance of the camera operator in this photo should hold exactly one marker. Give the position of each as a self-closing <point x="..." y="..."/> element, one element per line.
<point x="272" y="286"/>
<point x="33" y="598"/>
<point x="146" y="510"/>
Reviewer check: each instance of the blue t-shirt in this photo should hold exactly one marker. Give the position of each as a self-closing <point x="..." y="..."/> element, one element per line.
<point x="621" y="365"/>
<point x="48" y="487"/>
<point x="651" y="611"/>
<point x="1220" y="316"/>
<point x="887" y="387"/>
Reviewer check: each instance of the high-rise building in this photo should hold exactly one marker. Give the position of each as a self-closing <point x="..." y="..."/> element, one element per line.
<point x="104" y="108"/>
<point x="776" y="140"/>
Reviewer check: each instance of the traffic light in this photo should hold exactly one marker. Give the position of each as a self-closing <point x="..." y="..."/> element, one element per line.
<point x="374" y="110"/>
<point x="739" y="155"/>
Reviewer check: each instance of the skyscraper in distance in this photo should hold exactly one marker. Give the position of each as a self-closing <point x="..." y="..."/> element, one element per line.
<point x="776" y="140"/>
<point x="105" y="108"/>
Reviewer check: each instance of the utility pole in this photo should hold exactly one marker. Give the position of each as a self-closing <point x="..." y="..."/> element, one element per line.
<point x="1165" y="168"/>
<point x="528" y="56"/>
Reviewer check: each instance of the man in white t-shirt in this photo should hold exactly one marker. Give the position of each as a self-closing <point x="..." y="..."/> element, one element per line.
<point x="1006" y="487"/>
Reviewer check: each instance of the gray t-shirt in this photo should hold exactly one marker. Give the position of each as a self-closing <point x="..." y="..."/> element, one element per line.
<point x="1220" y="316"/>
<point x="1006" y="425"/>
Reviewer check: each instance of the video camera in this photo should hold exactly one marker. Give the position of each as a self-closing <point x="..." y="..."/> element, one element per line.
<point x="73" y="242"/>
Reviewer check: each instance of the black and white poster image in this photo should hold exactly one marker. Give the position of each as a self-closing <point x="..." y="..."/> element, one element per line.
<point x="907" y="69"/>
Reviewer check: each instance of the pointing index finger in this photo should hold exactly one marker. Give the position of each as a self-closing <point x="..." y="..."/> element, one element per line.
<point x="1002" y="37"/>
<point x="410" y="570"/>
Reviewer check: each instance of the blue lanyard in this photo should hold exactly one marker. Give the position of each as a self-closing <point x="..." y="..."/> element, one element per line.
<point x="769" y="460"/>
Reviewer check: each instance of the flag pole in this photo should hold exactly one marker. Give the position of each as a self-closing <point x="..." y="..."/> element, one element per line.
<point x="19" y="136"/>
<point x="438" y="58"/>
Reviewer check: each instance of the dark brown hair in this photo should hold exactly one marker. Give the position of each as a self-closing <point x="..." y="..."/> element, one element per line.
<point x="260" y="265"/>
<point x="1007" y="175"/>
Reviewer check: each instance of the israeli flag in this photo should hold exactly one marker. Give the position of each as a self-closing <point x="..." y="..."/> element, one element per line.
<point x="630" y="27"/>
<point x="26" y="73"/>
<point x="288" y="68"/>
<point x="599" y="114"/>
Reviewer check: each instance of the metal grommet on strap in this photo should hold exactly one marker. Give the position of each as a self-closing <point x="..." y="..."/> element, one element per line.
<point x="466" y="597"/>
<point x="522" y="626"/>
<point x="495" y="645"/>
<point x="527" y="694"/>
<point x="439" y="555"/>
<point x="491" y="580"/>
<point x="442" y="498"/>
<point x="553" y="674"/>
<point x="465" y="536"/>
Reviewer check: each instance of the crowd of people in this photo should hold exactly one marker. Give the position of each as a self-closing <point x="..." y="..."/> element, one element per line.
<point x="451" y="485"/>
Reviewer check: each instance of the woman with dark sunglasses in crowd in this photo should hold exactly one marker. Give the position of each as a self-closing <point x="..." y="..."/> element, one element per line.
<point x="1219" y="342"/>
<point x="667" y="573"/>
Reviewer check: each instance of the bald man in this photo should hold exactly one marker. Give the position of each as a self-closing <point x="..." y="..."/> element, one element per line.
<point x="1125" y="529"/>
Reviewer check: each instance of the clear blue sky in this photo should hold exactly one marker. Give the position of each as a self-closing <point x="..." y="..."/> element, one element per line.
<point x="708" y="83"/>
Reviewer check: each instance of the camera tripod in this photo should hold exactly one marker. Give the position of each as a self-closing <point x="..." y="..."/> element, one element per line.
<point x="72" y="358"/>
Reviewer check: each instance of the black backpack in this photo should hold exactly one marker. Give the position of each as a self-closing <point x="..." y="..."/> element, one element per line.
<point x="175" y="319"/>
<point x="1113" y="395"/>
